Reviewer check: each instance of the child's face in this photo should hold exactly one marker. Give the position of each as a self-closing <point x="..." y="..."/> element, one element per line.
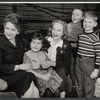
<point x="89" y="24"/>
<point x="36" y="45"/>
<point x="77" y="15"/>
<point x="57" y="31"/>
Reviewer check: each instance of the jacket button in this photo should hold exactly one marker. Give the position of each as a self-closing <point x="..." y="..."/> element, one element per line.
<point x="17" y="62"/>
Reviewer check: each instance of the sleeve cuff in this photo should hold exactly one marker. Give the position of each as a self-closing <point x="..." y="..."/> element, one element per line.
<point x="96" y="66"/>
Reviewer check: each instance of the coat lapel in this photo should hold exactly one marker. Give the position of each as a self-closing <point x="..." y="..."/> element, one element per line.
<point x="8" y="43"/>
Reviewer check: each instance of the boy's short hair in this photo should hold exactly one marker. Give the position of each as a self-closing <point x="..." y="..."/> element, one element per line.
<point x="78" y="9"/>
<point x="37" y="35"/>
<point x="91" y="15"/>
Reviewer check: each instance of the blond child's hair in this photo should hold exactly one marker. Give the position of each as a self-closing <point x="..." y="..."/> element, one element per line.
<point x="64" y="24"/>
<point x="91" y="15"/>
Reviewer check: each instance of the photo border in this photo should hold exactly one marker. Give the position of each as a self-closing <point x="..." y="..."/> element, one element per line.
<point x="50" y="1"/>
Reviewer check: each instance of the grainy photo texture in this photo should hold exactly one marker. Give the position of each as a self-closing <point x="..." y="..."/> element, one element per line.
<point x="50" y="50"/>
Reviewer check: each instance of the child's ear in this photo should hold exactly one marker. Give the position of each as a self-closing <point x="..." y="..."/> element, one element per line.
<point x="95" y="24"/>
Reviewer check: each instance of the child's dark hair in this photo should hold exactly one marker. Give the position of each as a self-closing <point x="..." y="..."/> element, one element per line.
<point x="79" y="9"/>
<point x="39" y="36"/>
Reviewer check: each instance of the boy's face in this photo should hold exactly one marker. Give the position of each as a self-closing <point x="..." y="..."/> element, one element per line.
<point x="89" y="24"/>
<point x="77" y="15"/>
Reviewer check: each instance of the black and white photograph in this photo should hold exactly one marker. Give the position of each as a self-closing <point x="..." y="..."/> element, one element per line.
<point x="50" y="50"/>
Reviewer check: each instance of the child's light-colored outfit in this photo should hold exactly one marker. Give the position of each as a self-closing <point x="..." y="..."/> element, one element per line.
<point x="36" y="59"/>
<point x="3" y="85"/>
<point x="87" y="60"/>
<point x="97" y="88"/>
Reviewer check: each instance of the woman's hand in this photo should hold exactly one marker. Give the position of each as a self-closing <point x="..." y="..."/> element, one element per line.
<point x="25" y="66"/>
<point x="94" y="74"/>
<point x="47" y="64"/>
<point x="49" y="75"/>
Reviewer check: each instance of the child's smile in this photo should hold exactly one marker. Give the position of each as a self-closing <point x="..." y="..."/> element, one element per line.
<point x="36" y="45"/>
<point x="89" y="24"/>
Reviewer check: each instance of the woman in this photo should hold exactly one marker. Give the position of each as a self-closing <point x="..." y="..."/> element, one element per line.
<point x="11" y="58"/>
<point x="60" y="53"/>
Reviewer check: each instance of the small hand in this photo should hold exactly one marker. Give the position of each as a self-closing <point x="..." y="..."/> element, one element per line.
<point x="45" y="77"/>
<point x="25" y="66"/>
<point x="49" y="75"/>
<point x="46" y="64"/>
<point x="94" y="74"/>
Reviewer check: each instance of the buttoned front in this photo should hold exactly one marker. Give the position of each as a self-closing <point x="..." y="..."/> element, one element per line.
<point x="10" y="55"/>
<point x="63" y="56"/>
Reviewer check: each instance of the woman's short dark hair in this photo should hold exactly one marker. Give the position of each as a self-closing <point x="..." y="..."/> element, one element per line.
<point x="38" y="35"/>
<point x="14" y="19"/>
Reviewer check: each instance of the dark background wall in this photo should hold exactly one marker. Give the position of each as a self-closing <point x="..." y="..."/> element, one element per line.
<point x="36" y="16"/>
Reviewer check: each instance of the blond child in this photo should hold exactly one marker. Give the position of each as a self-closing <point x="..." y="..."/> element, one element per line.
<point x="88" y="59"/>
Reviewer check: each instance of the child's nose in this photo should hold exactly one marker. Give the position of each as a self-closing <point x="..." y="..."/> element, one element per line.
<point x="55" y="31"/>
<point x="75" y="16"/>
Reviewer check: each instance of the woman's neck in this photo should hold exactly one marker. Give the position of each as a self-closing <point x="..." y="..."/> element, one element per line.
<point x="13" y="41"/>
<point x="56" y="41"/>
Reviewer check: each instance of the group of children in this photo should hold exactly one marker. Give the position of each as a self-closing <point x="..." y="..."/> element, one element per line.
<point x="76" y="53"/>
<point x="85" y="53"/>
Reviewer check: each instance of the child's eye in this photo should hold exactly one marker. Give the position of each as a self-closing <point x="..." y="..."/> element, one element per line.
<point x="39" y="43"/>
<point x="33" y="42"/>
<point x="90" y="22"/>
<point x="59" y="30"/>
<point x="13" y="30"/>
<point x="77" y="14"/>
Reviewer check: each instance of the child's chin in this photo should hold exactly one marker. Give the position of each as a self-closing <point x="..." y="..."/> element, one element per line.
<point x="75" y="22"/>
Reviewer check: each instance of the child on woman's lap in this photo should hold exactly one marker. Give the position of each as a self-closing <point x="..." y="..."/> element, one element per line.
<point x="46" y="77"/>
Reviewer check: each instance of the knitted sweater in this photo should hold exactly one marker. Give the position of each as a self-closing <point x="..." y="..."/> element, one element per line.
<point x="89" y="45"/>
<point x="74" y="29"/>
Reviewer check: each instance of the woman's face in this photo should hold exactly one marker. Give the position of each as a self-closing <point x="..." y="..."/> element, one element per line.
<point x="57" y="31"/>
<point x="36" y="45"/>
<point x="10" y="31"/>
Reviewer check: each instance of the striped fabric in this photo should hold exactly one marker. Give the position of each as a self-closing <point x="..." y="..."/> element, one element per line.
<point x="89" y="45"/>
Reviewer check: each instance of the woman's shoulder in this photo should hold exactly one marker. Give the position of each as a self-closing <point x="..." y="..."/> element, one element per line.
<point x="66" y="44"/>
<point x="2" y="39"/>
